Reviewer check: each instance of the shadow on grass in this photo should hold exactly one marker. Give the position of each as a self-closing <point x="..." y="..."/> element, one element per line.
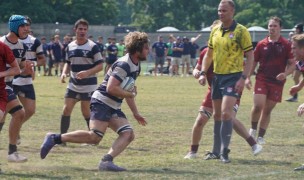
<point x="32" y="176"/>
<point x="166" y="171"/>
<point x="300" y="145"/>
<point x="262" y="162"/>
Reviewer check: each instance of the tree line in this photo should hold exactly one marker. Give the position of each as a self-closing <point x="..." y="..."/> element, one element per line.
<point x="150" y="15"/>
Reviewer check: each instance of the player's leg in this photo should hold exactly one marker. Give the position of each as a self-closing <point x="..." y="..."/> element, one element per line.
<point x="197" y="130"/>
<point x="2" y="121"/>
<point x="100" y="117"/>
<point x="216" y="150"/>
<point x="228" y="103"/>
<point x="205" y="112"/>
<point x="68" y="107"/>
<point x="125" y="136"/>
<point x="265" y="119"/>
<point x="242" y="131"/>
<point x="29" y="107"/>
<point x="17" y="112"/>
<point x="274" y="95"/>
<point x="85" y="109"/>
<point x="27" y="97"/>
<point x="259" y="101"/>
<point x="94" y="136"/>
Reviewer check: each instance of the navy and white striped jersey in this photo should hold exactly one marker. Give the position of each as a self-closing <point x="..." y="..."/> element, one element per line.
<point x="34" y="48"/>
<point x="19" y="50"/>
<point x="81" y="58"/>
<point x="123" y="67"/>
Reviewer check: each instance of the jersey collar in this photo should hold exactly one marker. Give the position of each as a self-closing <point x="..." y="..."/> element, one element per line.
<point x="231" y="28"/>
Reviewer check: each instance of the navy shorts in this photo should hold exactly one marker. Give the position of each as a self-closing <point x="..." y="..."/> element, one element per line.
<point x="223" y="85"/>
<point x="110" y="61"/>
<point x="10" y="93"/>
<point x="26" y="91"/>
<point x="103" y="112"/>
<point x="76" y="95"/>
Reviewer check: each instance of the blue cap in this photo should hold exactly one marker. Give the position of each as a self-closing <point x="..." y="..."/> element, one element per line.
<point x="15" y="21"/>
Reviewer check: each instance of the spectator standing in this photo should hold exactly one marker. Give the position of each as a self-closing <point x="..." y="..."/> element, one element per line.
<point x="160" y="50"/>
<point x="112" y="51"/>
<point x="186" y="57"/>
<point x="56" y="54"/>
<point x="177" y="50"/>
<point x="121" y="48"/>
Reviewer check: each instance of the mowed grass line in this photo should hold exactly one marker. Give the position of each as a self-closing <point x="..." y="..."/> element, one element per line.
<point x="170" y="105"/>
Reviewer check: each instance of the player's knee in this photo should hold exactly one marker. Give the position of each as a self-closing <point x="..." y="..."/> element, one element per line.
<point x="128" y="135"/>
<point x="30" y="112"/>
<point x="201" y="120"/>
<point x="256" y="109"/>
<point x="67" y="110"/>
<point x="217" y="116"/>
<point x="226" y="115"/>
<point x="95" y="136"/>
<point x="17" y="112"/>
<point x="126" y="132"/>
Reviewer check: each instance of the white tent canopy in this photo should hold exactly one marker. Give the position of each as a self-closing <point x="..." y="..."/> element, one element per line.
<point x="256" y="28"/>
<point x="167" y="29"/>
<point x="206" y="29"/>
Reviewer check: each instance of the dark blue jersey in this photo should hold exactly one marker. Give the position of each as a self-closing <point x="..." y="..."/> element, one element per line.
<point x="193" y="49"/>
<point x="187" y="47"/>
<point x="56" y="51"/>
<point x="112" y="52"/>
<point x="176" y="53"/>
<point x="160" y="48"/>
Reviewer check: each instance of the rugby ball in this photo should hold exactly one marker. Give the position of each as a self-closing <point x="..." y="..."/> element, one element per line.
<point x="128" y="84"/>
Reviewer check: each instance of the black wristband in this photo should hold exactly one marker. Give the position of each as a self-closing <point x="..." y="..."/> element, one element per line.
<point x="202" y="73"/>
<point x="244" y="76"/>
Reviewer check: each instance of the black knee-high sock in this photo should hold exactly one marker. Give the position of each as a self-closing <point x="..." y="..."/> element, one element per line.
<point x="217" y="137"/>
<point x="226" y="132"/>
<point x="65" y="124"/>
<point x="12" y="148"/>
<point x="88" y="122"/>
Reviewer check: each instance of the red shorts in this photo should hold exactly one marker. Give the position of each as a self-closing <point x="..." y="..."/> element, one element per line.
<point x="3" y="102"/>
<point x="272" y="91"/>
<point x="207" y="102"/>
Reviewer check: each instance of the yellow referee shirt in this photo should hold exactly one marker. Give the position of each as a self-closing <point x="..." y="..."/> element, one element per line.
<point x="228" y="47"/>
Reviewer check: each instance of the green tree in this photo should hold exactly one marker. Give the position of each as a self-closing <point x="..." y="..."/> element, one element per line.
<point x="68" y="11"/>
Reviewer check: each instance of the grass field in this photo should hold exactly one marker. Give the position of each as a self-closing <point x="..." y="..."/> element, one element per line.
<point x="170" y="106"/>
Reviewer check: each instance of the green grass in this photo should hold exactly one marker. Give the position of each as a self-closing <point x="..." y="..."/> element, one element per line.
<point x="170" y="106"/>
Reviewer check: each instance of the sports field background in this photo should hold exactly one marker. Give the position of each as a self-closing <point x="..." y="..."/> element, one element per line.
<point x="170" y="105"/>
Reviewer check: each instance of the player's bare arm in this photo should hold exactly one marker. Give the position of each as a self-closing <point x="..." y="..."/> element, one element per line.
<point x="208" y="58"/>
<point x="65" y="71"/>
<point x="89" y="72"/>
<point x="291" y="66"/>
<point x="12" y="71"/>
